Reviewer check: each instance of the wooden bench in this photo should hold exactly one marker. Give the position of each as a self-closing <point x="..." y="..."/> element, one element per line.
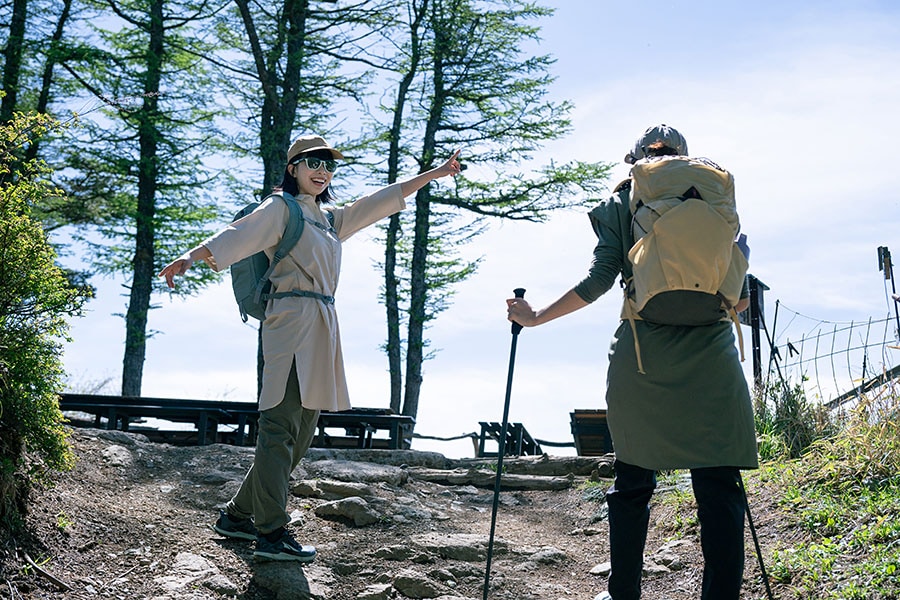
<point x="208" y="416"/>
<point x="591" y="433"/>
<point x="359" y="425"/>
<point x="120" y="412"/>
<point x="518" y="441"/>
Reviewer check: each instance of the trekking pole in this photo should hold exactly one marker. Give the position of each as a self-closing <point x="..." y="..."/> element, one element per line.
<point x="762" y="566"/>
<point x="501" y="450"/>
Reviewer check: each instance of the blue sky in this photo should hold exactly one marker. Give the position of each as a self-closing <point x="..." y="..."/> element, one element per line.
<point x="798" y="99"/>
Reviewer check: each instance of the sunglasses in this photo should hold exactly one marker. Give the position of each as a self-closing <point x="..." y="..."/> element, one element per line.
<point x="314" y="163"/>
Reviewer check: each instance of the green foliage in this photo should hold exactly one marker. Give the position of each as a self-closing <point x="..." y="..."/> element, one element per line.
<point x="106" y="191"/>
<point x="838" y="532"/>
<point x="843" y="496"/>
<point x="63" y="522"/>
<point x="787" y="422"/>
<point x="469" y="77"/>
<point x="850" y="549"/>
<point x="864" y="455"/>
<point x="35" y="299"/>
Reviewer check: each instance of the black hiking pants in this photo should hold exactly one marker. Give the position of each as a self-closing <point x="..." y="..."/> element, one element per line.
<point x="720" y="510"/>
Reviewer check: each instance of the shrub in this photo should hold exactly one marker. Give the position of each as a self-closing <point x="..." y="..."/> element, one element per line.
<point x="866" y="453"/>
<point x="35" y="299"/>
<point x="843" y="496"/>
<point x="787" y="422"/>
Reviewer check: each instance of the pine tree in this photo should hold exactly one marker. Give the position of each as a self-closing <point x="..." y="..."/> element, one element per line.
<point x="473" y="86"/>
<point x="141" y="157"/>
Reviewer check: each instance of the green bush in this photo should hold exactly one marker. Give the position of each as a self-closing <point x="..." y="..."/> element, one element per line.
<point x="865" y="455"/>
<point x="787" y="422"/>
<point x="35" y="300"/>
<point x="841" y="499"/>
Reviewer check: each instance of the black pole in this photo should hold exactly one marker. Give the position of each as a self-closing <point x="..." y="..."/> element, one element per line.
<point x="890" y="265"/>
<point x="755" y="316"/>
<point x="885" y="264"/>
<point x="501" y="450"/>
<point x="762" y="565"/>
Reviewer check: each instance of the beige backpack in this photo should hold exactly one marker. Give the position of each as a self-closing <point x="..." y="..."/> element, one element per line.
<point x="687" y="267"/>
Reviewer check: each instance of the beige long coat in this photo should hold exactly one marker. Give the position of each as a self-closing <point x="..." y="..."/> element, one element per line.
<point x="304" y="330"/>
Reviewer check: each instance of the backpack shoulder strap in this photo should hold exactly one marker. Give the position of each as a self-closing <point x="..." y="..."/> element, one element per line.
<point x="292" y="232"/>
<point x="624" y="186"/>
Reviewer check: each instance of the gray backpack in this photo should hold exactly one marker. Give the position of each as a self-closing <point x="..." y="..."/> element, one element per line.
<point x="250" y="276"/>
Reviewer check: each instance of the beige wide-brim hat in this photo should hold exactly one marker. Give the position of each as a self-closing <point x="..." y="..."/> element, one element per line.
<point x="308" y="143"/>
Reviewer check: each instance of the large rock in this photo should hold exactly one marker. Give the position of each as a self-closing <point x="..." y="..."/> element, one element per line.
<point x="487" y="479"/>
<point x="345" y="470"/>
<point x="354" y="509"/>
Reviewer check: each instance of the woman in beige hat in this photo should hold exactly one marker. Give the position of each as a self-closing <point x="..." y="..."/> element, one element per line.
<point x="304" y="370"/>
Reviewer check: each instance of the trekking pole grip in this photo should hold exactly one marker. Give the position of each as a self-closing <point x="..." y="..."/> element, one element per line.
<point x="519" y="293"/>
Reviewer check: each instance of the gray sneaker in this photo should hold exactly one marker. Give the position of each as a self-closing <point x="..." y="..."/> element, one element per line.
<point x="285" y="548"/>
<point x="234" y="528"/>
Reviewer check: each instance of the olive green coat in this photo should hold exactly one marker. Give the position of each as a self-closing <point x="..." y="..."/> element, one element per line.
<point x="692" y="408"/>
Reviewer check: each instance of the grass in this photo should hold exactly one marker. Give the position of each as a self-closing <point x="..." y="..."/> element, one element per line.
<point x="63" y="522"/>
<point x="841" y="497"/>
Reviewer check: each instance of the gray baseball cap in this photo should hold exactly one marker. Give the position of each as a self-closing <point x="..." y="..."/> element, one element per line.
<point x="658" y="133"/>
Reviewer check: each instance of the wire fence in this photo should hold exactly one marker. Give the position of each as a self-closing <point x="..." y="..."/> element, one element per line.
<point x="835" y="361"/>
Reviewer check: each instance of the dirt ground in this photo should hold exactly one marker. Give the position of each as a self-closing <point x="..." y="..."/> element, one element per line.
<point x="114" y="529"/>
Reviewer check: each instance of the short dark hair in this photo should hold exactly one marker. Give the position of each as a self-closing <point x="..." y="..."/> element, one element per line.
<point x="660" y="149"/>
<point x="289" y="182"/>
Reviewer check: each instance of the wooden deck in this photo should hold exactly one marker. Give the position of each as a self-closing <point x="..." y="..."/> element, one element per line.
<point x="234" y="423"/>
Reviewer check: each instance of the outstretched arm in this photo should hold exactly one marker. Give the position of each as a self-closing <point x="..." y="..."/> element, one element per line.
<point x="414" y="184"/>
<point x="520" y="311"/>
<point x="180" y="265"/>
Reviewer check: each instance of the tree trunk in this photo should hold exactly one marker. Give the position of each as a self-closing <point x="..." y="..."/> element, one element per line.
<point x="415" y="345"/>
<point x="280" y="96"/>
<point x="47" y="74"/>
<point x="148" y="171"/>
<point x="391" y="282"/>
<point x="280" y="101"/>
<point x="12" y="55"/>
<point x="392" y="308"/>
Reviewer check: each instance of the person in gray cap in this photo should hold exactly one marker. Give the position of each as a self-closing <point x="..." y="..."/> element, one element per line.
<point x="691" y="410"/>
<point x="654" y="140"/>
<point x="304" y="369"/>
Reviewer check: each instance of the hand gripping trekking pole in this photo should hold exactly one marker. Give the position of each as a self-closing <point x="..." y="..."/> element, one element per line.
<point x="501" y="450"/>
